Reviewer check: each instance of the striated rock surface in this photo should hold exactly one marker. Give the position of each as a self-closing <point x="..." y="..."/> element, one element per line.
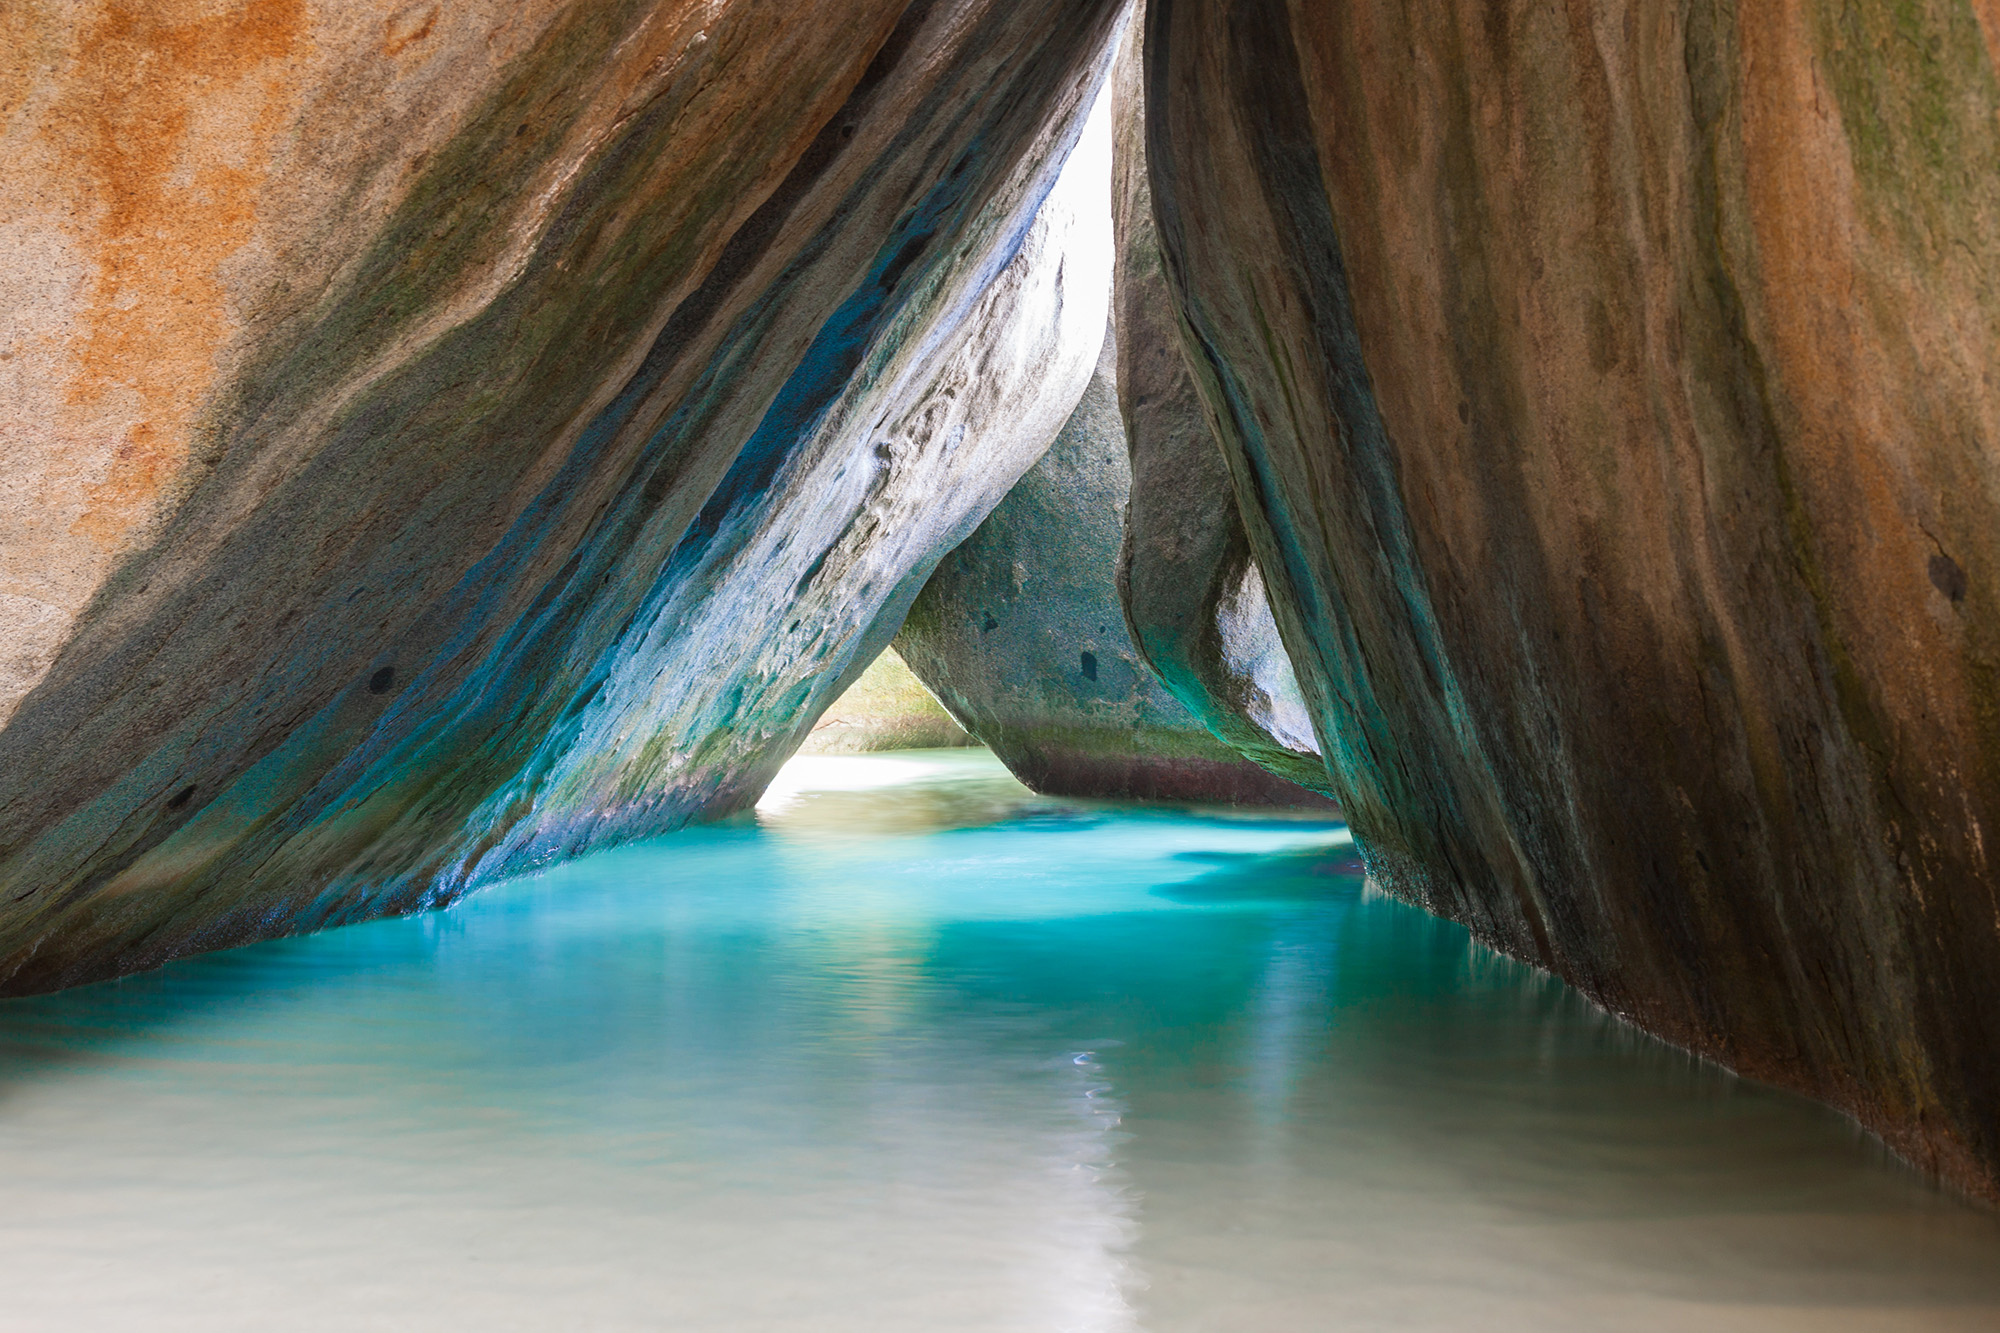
<point x="1193" y="597"/>
<point x="384" y="387"/>
<point x="1020" y="635"/>
<point x="886" y="708"/>
<point x="811" y="550"/>
<point x="1611" y="397"/>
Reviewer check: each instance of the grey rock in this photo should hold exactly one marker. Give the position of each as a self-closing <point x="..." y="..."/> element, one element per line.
<point x="1020" y="635"/>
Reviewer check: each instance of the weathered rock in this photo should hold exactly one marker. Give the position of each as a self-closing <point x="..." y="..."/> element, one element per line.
<point x="1020" y="635"/>
<point x="1193" y="597"/>
<point x="886" y="708"/>
<point x="1611" y="396"/>
<point x="810" y="551"/>
<point x="376" y="380"/>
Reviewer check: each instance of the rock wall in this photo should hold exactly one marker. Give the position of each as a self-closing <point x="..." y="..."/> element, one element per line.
<point x="1021" y="636"/>
<point x="806" y="557"/>
<point x="1610" y="394"/>
<point x="381" y="382"/>
<point x="435" y="439"/>
<point x="1193" y="597"/>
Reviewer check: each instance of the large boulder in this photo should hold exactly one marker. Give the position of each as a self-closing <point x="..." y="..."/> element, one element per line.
<point x="389" y="388"/>
<point x="811" y="550"/>
<point x="1020" y="635"/>
<point x="1611" y="398"/>
<point x="1193" y="596"/>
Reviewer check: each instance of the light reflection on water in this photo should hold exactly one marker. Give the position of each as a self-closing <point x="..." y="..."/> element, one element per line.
<point x="918" y="1050"/>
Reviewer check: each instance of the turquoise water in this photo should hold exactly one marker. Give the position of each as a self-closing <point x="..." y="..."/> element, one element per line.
<point x="914" y="1049"/>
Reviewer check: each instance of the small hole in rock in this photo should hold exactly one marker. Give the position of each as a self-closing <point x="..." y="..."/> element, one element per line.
<point x="380" y="682"/>
<point x="180" y="798"/>
<point x="1947" y="577"/>
<point x="991" y="624"/>
<point x="1090" y="666"/>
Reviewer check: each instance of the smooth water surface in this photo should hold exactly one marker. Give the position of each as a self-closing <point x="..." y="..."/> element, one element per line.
<point x="916" y="1050"/>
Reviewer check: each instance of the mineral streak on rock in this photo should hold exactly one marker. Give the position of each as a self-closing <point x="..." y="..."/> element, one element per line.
<point x="366" y="366"/>
<point x="1020" y="635"/>
<point x="1193" y="598"/>
<point x="809" y="553"/>
<point x="1610" y="392"/>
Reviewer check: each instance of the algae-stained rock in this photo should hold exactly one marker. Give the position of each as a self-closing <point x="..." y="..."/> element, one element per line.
<point x="1020" y="635"/>
<point x="1611" y="397"/>
<point x="1193" y="596"/>
<point x="810" y="551"/>
<point x="365" y="367"/>
<point x="886" y="708"/>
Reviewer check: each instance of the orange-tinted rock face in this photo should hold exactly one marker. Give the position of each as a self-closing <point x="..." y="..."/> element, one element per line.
<point x="362" y="366"/>
<point x="1614" y="388"/>
<point x="176" y="178"/>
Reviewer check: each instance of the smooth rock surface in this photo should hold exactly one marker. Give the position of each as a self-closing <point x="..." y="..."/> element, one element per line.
<point x="1611" y="395"/>
<point x="1021" y="636"/>
<point x="1193" y="597"/>
<point x="366" y="367"/>
<point x="886" y="708"/>
<point x="809" y="553"/>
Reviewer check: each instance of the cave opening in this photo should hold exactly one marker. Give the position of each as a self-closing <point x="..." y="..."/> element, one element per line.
<point x="996" y="664"/>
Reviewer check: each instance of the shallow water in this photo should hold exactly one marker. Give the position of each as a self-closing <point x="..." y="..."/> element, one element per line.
<point x="915" y="1050"/>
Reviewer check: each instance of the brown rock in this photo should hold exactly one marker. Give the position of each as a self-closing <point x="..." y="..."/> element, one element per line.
<point x="1612" y="400"/>
<point x="364" y="367"/>
<point x="1193" y="597"/>
<point x="810" y="551"/>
